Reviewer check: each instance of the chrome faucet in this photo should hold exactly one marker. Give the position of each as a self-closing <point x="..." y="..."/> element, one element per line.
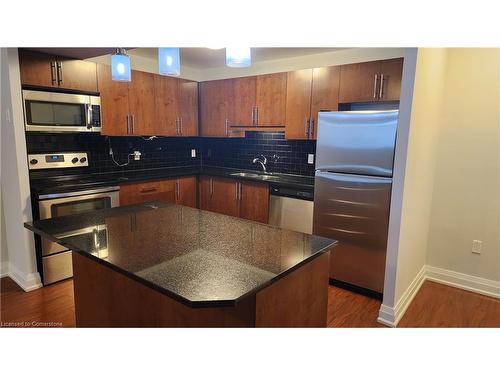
<point x="262" y="162"/>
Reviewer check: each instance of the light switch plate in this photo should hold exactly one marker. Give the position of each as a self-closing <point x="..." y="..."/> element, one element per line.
<point x="193" y="153"/>
<point x="477" y="246"/>
<point x="310" y="158"/>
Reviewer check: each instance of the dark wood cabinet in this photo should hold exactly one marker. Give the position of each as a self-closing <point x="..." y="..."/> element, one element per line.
<point x="325" y="94"/>
<point x="40" y="69"/>
<point x="390" y="86"/>
<point x="244" y="91"/>
<point x="186" y="191"/>
<point x="371" y="81"/>
<point x="166" y="105"/>
<point x="188" y="99"/>
<point x="216" y="107"/>
<point x="270" y="99"/>
<point x="114" y="103"/>
<point x="308" y="92"/>
<point x="180" y="190"/>
<point x="142" y="104"/>
<point x="254" y="201"/>
<point x="245" y="199"/>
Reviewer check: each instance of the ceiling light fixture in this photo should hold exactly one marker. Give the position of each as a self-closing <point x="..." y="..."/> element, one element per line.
<point x="169" y="61"/>
<point x="238" y="57"/>
<point x="120" y="66"/>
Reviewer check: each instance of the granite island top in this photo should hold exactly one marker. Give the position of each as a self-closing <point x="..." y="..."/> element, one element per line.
<point x="42" y="184"/>
<point x="197" y="257"/>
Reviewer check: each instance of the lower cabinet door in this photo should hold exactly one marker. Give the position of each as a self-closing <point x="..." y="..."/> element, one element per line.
<point x="224" y="198"/>
<point x="57" y="267"/>
<point x="186" y="191"/>
<point x="254" y="201"/>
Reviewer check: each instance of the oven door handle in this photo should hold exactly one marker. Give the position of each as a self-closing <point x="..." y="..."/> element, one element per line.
<point x="79" y="193"/>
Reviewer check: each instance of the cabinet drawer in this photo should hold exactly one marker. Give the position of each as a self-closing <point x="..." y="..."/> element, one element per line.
<point x="147" y="192"/>
<point x="57" y="267"/>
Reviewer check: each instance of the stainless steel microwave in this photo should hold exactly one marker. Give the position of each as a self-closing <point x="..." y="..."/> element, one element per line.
<point x="61" y="112"/>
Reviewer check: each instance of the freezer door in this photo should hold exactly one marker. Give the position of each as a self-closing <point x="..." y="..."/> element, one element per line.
<point x="358" y="142"/>
<point x="354" y="210"/>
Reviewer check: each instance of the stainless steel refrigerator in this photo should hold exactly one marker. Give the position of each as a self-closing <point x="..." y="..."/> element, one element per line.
<point x="353" y="180"/>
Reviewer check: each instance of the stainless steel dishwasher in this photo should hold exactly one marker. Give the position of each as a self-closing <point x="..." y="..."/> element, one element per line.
<point x="291" y="208"/>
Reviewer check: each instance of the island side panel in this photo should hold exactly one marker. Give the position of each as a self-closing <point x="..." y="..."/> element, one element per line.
<point x="300" y="299"/>
<point x="106" y="298"/>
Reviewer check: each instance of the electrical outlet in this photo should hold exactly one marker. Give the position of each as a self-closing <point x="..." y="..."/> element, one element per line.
<point x="477" y="246"/>
<point x="193" y="153"/>
<point x="310" y="158"/>
<point x="137" y="155"/>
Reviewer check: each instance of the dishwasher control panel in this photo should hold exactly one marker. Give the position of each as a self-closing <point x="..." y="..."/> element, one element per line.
<point x="298" y="193"/>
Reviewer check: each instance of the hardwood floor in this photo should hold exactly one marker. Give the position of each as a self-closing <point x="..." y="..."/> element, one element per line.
<point x="435" y="305"/>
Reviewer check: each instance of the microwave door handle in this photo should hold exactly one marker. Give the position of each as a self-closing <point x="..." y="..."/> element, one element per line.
<point x="88" y="116"/>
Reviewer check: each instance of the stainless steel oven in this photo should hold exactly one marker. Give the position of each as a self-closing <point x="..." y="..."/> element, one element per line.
<point x="56" y="259"/>
<point x="61" y="112"/>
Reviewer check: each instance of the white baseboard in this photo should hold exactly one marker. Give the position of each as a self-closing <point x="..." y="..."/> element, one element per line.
<point x="463" y="281"/>
<point x="4" y="269"/>
<point x="27" y="282"/>
<point x="390" y="316"/>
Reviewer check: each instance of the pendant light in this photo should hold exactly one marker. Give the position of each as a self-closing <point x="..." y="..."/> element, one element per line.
<point x="238" y="57"/>
<point x="120" y="66"/>
<point x="169" y="61"/>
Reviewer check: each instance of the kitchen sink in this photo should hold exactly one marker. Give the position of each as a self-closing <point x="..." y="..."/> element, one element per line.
<point x="245" y="174"/>
<point x="264" y="177"/>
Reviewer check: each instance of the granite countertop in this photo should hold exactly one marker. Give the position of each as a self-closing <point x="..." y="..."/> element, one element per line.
<point x="200" y="258"/>
<point x="45" y="185"/>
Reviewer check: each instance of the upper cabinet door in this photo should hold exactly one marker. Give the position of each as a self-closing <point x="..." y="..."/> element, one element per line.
<point x="215" y="107"/>
<point x="188" y="99"/>
<point x="325" y="93"/>
<point x="271" y="99"/>
<point x="37" y="69"/>
<point x="298" y="104"/>
<point x="166" y="105"/>
<point x="390" y="82"/>
<point x="114" y="103"/>
<point x="77" y="74"/>
<point x="40" y="69"/>
<point x="359" y="82"/>
<point x="244" y="91"/>
<point x="142" y="103"/>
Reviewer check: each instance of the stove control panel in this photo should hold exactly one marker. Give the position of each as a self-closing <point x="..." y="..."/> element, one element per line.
<point x="58" y="160"/>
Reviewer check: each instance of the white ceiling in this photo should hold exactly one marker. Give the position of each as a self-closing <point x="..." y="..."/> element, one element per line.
<point x="203" y="58"/>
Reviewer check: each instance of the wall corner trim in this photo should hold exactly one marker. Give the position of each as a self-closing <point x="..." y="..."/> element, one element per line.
<point x="390" y="316"/>
<point x="27" y="282"/>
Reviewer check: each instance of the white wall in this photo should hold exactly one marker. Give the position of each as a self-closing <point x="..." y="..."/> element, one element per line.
<point x="466" y="194"/>
<point x="4" y="253"/>
<point x="15" y="181"/>
<point x="345" y="56"/>
<point x="451" y="190"/>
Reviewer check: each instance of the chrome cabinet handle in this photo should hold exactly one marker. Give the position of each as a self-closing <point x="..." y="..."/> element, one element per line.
<point x="128" y="124"/>
<point x="59" y="73"/>
<point x="253" y="115"/>
<point x="53" y="72"/>
<point x="132" y="117"/>
<point x="237" y="189"/>
<point x="177" y="126"/>
<point x="211" y="186"/>
<point x="227" y="127"/>
<point x="256" y="115"/>
<point x="180" y="125"/>
<point x="311" y="127"/>
<point x="148" y="190"/>
<point x="381" y="89"/>
<point x="307" y="127"/>
<point x="375" y="87"/>
<point x="240" y="191"/>
<point x="177" y="190"/>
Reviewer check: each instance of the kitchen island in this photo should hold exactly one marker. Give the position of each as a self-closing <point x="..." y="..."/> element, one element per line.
<point x="166" y="265"/>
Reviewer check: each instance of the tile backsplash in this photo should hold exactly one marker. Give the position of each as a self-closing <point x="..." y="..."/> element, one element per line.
<point x="284" y="156"/>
